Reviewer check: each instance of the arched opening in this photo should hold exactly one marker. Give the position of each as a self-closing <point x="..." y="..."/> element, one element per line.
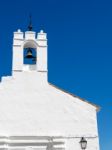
<point x="30" y="55"/>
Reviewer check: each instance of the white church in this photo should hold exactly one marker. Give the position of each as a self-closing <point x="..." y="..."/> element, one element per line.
<point x="36" y="115"/>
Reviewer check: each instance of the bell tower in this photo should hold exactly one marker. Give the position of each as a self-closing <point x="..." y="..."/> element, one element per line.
<point x="30" y="50"/>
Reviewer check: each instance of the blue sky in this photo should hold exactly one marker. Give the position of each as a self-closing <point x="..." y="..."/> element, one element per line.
<point x="80" y="48"/>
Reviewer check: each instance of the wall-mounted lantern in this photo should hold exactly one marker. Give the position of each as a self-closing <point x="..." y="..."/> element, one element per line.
<point x="83" y="143"/>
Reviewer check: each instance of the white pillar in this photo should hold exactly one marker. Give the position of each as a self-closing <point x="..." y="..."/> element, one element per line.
<point x="17" y="51"/>
<point x="42" y="51"/>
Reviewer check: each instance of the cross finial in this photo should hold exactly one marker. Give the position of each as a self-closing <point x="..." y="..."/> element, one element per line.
<point x="30" y="24"/>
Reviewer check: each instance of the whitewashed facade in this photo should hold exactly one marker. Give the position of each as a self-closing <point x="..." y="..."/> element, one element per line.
<point x="35" y="114"/>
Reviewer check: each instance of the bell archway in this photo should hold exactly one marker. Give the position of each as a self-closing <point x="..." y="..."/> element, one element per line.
<point x="29" y="55"/>
<point x="28" y="46"/>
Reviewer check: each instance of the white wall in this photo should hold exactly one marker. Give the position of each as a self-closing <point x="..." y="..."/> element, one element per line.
<point x="73" y="144"/>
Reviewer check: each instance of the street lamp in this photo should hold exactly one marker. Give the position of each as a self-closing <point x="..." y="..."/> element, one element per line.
<point x="83" y="143"/>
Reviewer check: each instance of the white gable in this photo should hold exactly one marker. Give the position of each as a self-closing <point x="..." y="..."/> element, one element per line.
<point x="30" y="100"/>
<point x="36" y="113"/>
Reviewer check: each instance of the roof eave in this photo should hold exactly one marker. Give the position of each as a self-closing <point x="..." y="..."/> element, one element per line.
<point x="96" y="106"/>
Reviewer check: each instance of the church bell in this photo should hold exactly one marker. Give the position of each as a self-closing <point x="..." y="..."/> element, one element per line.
<point x="29" y="54"/>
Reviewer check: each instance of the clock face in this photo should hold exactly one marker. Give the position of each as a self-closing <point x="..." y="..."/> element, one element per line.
<point x="29" y="56"/>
